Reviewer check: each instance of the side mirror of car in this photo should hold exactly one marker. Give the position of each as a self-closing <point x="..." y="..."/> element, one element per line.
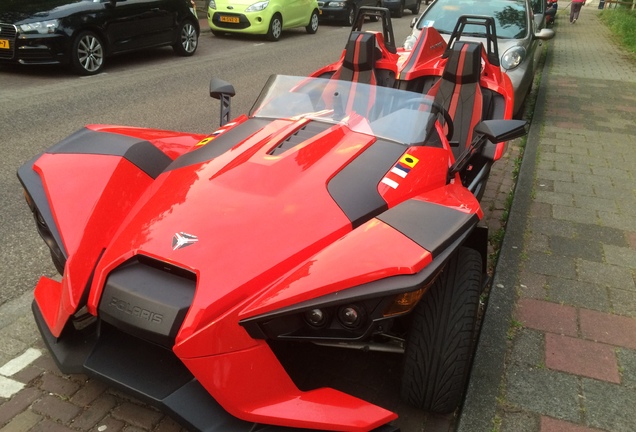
<point x="223" y="91"/>
<point x="501" y="130"/>
<point x="413" y="21"/>
<point x="544" y="34"/>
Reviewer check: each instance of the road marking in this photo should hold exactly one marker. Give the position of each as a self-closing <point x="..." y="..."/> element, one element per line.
<point x="17" y="364"/>
<point x="9" y="387"/>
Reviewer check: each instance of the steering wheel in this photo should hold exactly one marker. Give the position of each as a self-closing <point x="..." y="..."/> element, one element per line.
<point x="440" y="109"/>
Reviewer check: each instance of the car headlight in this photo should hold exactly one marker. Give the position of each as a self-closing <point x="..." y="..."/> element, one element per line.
<point x="337" y="4"/>
<point x="41" y="27"/>
<point x="258" y="6"/>
<point x="212" y="4"/>
<point x="513" y="57"/>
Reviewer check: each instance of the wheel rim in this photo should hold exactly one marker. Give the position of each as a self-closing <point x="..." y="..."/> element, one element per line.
<point x="352" y="16"/>
<point x="90" y="53"/>
<point x="314" y="22"/>
<point x="189" y="38"/>
<point x="277" y="28"/>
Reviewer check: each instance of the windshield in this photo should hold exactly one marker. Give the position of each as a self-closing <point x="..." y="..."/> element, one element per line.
<point x="510" y="16"/>
<point x="388" y="113"/>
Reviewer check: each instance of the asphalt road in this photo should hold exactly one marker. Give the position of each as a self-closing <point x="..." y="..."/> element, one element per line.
<point x="41" y="105"/>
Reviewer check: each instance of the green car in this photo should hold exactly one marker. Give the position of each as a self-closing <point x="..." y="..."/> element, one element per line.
<point x="268" y="17"/>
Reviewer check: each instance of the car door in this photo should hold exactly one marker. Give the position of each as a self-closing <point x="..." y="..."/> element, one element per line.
<point x="139" y="23"/>
<point x="295" y="12"/>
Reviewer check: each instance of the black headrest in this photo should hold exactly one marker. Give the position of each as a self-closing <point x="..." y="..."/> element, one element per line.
<point x="464" y="63"/>
<point x="360" y="51"/>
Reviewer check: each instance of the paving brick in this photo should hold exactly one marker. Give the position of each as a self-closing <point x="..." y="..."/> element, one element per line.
<point x="609" y="406"/>
<point x="533" y="285"/>
<point x="601" y="234"/>
<point x="549" y="226"/>
<point x="554" y="198"/>
<point x="58" y="385"/>
<point x="584" y="248"/>
<point x="528" y="348"/>
<point x="605" y="274"/>
<point x="631" y="239"/>
<point x="137" y="415"/>
<point x="56" y="408"/>
<point x="98" y="410"/>
<point x="623" y="301"/>
<point x="551" y="265"/>
<point x="620" y="256"/>
<point x="88" y="392"/>
<point x="168" y="425"/>
<point x="109" y="424"/>
<point x="627" y="364"/>
<point x="520" y="421"/>
<point x="578" y="294"/>
<point x="18" y="403"/>
<point x="547" y="316"/>
<point x="611" y="329"/>
<point x="22" y="422"/>
<point x="581" y="357"/>
<point x="47" y="425"/>
<point x="574" y="214"/>
<point x="27" y="374"/>
<point x="549" y="424"/>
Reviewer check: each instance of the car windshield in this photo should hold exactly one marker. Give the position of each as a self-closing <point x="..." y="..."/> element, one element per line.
<point x="510" y="16"/>
<point x="388" y="113"/>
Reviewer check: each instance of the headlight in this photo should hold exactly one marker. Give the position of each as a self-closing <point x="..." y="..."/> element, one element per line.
<point x="256" y="7"/>
<point x="513" y="57"/>
<point x="212" y="4"/>
<point x="41" y="27"/>
<point x="337" y="4"/>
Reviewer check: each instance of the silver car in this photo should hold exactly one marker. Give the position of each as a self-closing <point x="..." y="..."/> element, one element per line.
<point x="518" y="29"/>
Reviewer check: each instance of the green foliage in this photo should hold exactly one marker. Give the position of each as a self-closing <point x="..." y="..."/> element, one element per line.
<point x="622" y="23"/>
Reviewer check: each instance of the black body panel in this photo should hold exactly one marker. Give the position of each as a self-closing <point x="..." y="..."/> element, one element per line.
<point x="355" y="188"/>
<point x="140" y="153"/>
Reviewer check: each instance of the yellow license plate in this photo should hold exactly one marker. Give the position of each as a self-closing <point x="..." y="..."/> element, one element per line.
<point x="4" y="44"/>
<point x="229" y="19"/>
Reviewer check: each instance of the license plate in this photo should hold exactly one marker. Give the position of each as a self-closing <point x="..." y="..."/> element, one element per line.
<point x="4" y="44"/>
<point x="229" y="19"/>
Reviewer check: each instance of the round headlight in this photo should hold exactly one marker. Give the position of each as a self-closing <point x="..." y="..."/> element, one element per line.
<point x="513" y="57"/>
<point x="350" y="316"/>
<point x="316" y="317"/>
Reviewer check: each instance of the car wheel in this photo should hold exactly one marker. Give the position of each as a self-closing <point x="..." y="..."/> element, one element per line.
<point x="275" y="28"/>
<point x="351" y="16"/>
<point x="440" y="340"/>
<point x="87" y="55"/>
<point x="312" y="27"/>
<point x="416" y="8"/>
<point x="376" y="18"/>
<point x="399" y="13"/>
<point x="188" y="39"/>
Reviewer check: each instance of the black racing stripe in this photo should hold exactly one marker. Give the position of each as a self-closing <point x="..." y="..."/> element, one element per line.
<point x="140" y="153"/>
<point x="432" y="226"/>
<point x="355" y="188"/>
<point x="220" y="145"/>
<point x="414" y="57"/>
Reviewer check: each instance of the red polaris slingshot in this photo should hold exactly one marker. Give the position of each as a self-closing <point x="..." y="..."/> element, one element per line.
<point x="342" y="211"/>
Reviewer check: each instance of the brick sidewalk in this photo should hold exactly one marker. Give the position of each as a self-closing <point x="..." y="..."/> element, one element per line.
<point x="569" y="303"/>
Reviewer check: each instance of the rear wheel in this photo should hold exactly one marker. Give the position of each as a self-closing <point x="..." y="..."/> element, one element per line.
<point x="399" y="13"/>
<point x="440" y="340"/>
<point x="87" y="55"/>
<point x="351" y="16"/>
<point x="312" y="27"/>
<point x="188" y="40"/>
<point x="275" y="28"/>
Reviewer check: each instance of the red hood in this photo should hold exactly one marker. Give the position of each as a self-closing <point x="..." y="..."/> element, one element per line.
<point x="254" y="215"/>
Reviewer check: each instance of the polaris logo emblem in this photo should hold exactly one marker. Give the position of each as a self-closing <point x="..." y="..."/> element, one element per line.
<point x="181" y="240"/>
<point x="136" y="311"/>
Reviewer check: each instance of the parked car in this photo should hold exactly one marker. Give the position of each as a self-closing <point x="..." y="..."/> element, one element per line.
<point x="344" y="11"/>
<point x="397" y="6"/>
<point x="83" y="33"/>
<point x="263" y="17"/>
<point x="518" y="35"/>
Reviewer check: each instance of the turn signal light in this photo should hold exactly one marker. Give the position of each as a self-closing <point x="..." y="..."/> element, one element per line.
<point x="403" y="303"/>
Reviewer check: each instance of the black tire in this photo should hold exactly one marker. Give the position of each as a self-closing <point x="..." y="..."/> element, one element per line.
<point x="87" y="54"/>
<point x="188" y="40"/>
<point x="351" y="16"/>
<point x="416" y="8"/>
<point x="312" y="27"/>
<point x="440" y="341"/>
<point x="399" y="13"/>
<point x="275" y="28"/>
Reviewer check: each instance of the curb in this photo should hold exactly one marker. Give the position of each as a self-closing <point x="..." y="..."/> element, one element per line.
<point x="480" y="403"/>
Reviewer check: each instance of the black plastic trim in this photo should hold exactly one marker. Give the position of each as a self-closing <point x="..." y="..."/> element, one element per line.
<point x="221" y="144"/>
<point x="355" y="187"/>
<point x="140" y="153"/>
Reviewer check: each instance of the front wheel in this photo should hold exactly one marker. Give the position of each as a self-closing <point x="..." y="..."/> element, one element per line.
<point x="399" y="13"/>
<point x="440" y="340"/>
<point x="87" y="55"/>
<point x="275" y="28"/>
<point x="351" y="16"/>
<point x="312" y="27"/>
<point x="416" y="8"/>
<point x="188" y="40"/>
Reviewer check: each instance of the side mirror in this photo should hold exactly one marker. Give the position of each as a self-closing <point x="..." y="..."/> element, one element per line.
<point x="544" y="34"/>
<point x="223" y="91"/>
<point x="413" y="21"/>
<point x="501" y="130"/>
